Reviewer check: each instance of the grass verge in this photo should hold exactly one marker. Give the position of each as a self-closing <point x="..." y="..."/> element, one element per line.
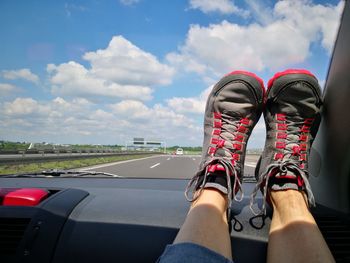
<point x="68" y="164"/>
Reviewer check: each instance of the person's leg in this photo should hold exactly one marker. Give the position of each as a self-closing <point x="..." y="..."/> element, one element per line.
<point x="292" y="113"/>
<point x="294" y="235"/>
<point x="233" y="108"/>
<point x="206" y="223"/>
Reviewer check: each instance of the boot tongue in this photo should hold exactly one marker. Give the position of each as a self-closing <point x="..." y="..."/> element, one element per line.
<point x="222" y="152"/>
<point x="216" y="178"/>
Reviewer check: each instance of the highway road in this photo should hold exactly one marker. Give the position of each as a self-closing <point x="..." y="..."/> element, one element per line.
<point x="164" y="166"/>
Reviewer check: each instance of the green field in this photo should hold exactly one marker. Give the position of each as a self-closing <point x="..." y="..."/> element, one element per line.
<point x="23" y="146"/>
<point x="73" y="164"/>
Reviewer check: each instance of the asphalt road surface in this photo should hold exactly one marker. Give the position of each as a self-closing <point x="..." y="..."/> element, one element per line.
<point x="165" y="166"/>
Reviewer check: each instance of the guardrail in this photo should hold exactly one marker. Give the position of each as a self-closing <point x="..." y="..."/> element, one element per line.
<point x="39" y="157"/>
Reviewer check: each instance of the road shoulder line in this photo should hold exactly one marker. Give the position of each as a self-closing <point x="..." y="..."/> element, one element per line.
<point x="155" y="165"/>
<point x="114" y="163"/>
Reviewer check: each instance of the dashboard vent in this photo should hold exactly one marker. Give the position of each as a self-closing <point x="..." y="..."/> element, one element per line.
<point x="337" y="235"/>
<point x="11" y="234"/>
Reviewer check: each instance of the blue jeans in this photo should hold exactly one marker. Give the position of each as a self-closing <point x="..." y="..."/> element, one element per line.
<point x="190" y="252"/>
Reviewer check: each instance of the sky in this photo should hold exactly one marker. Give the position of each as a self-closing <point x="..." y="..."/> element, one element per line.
<point x="106" y="71"/>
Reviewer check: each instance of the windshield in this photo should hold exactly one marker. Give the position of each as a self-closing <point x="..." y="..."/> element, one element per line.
<point x="87" y="84"/>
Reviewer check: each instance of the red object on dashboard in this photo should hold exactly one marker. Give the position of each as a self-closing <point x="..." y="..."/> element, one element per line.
<point x="22" y="196"/>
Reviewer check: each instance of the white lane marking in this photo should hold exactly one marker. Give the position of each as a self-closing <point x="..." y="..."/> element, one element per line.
<point x="193" y="159"/>
<point x="168" y="159"/>
<point x="155" y="165"/>
<point x="115" y="163"/>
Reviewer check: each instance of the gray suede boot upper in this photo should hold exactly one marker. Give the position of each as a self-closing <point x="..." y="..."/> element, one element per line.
<point x="232" y="110"/>
<point x="292" y="115"/>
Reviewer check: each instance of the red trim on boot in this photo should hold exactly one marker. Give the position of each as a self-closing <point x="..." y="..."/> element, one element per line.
<point x="236" y="72"/>
<point x="215" y="167"/>
<point x="287" y="72"/>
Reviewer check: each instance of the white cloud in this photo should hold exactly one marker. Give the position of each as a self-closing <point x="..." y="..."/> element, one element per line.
<point x="257" y="138"/>
<point x="129" y="2"/>
<point x="130" y="108"/>
<point x="322" y="83"/>
<point x="55" y="107"/>
<point x="80" y="121"/>
<point x="261" y="12"/>
<point x="218" y="48"/>
<point x="23" y="106"/>
<point x="24" y="73"/>
<point x="312" y="19"/>
<point x="125" y="63"/>
<point x="121" y="70"/>
<point x="73" y="79"/>
<point x="48" y="120"/>
<point x="191" y="104"/>
<point x="220" y="6"/>
<point x="150" y="118"/>
<point x="7" y="89"/>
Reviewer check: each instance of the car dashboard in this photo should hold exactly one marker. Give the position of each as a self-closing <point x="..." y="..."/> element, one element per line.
<point x="127" y="220"/>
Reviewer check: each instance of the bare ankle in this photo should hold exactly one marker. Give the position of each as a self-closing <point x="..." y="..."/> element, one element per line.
<point x="213" y="198"/>
<point x="288" y="197"/>
<point x="290" y="205"/>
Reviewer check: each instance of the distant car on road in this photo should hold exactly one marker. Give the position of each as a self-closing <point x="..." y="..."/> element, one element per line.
<point x="179" y="151"/>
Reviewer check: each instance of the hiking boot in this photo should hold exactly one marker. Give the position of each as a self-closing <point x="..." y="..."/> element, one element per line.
<point x="292" y="117"/>
<point x="233" y="108"/>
